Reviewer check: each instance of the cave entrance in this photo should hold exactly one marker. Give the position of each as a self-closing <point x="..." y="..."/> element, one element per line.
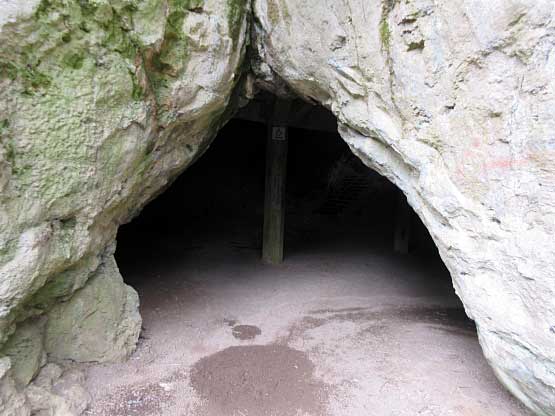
<point x="358" y="319"/>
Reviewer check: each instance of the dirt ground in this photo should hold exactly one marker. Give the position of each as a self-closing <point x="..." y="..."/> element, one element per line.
<point x="341" y="328"/>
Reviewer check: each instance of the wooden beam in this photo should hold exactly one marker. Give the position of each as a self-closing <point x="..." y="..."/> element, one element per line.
<point x="403" y="225"/>
<point x="276" y="175"/>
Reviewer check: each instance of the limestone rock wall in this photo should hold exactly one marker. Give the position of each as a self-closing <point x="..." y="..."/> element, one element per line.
<point x="100" y="322"/>
<point x="454" y="101"/>
<point x="102" y="104"/>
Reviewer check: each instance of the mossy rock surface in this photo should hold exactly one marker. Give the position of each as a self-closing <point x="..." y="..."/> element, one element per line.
<point x="102" y="104"/>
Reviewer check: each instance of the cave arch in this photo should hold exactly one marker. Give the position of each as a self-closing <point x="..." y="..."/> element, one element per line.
<point x="202" y="275"/>
<point x="101" y="114"/>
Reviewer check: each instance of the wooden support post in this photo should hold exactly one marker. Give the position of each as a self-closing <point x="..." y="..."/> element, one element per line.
<point x="276" y="173"/>
<point x="403" y="217"/>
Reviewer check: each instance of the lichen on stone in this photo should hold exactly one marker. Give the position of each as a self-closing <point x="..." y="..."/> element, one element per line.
<point x="237" y="9"/>
<point x="99" y="111"/>
<point x="385" y="33"/>
<point x="384" y="29"/>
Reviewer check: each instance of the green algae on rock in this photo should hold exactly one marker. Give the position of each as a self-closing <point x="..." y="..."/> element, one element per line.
<point x="102" y="105"/>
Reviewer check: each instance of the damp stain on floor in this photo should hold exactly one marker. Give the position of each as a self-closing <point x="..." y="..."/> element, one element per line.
<point x="262" y="380"/>
<point x="345" y="334"/>
<point x="246" y="332"/>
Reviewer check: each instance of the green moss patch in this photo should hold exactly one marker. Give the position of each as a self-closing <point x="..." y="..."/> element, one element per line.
<point x="237" y="10"/>
<point x="385" y="34"/>
<point x="384" y="29"/>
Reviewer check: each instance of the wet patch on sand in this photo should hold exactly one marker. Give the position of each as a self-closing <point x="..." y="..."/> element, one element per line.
<point x="262" y="380"/>
<point x="453" y="317"/>
<point x="246" y="332"/>
<point x="342" y="310"/>
<point x="450" y="320"/>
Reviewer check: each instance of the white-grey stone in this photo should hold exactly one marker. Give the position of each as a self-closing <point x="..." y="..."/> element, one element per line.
<point x="12" y="401"/>
<point x="102" y="105"/>
<point x="26" y="350"/>
<point x="56" y="392"/>
<point x="101" y="322"/>
<point x="453" y="101"/>
<point x="108" y="104"/>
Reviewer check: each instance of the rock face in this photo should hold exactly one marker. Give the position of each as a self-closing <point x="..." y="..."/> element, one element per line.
<point x="12" y="401"/>
<point x="103" y="103"/>
<point x="101" y="322"/>
<point x="59" y="393"/>
<point x="454" y="102"/>
<point x="26" y="350"/>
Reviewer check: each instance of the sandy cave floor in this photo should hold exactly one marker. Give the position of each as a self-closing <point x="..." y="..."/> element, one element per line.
<point x="340" y="329"/>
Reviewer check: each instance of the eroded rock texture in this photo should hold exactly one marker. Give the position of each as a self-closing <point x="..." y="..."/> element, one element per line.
<point x="103" y="103"/>
<point x="454" y="101"/>
<point x="101" y="321"/>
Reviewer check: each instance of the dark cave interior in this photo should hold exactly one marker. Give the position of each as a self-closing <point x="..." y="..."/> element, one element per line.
<point x="331" y="197"/>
